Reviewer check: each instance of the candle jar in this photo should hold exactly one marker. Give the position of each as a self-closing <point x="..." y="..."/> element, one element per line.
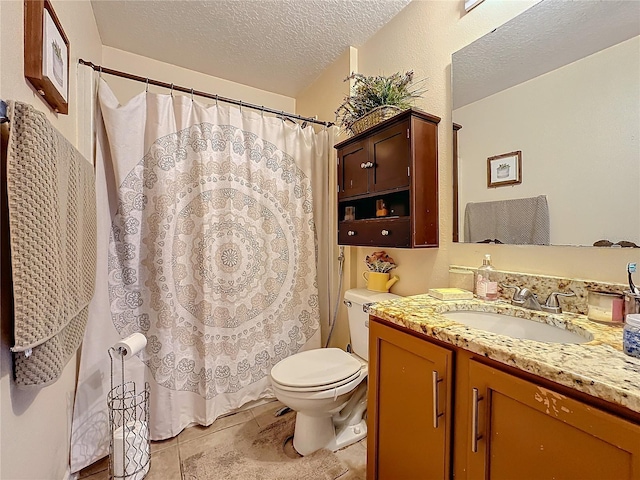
<point x="605" y="307"/>
<point x="349" y="213"/>
<point x="381" y="208"/>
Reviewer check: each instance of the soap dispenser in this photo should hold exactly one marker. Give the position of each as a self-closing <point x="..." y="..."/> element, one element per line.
<point x="486" y="289"/>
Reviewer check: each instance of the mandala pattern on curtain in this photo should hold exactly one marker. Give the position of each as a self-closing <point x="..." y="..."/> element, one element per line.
<point x="212" y="256"/>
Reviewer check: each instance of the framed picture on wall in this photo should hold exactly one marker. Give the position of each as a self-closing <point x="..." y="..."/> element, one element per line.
<point x="46" y="54"/>
<point x="505" y="169"/>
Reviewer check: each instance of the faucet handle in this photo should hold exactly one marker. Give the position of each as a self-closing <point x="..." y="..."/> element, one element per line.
<point x="552" y="305"/>
<point x="516" y="294"/>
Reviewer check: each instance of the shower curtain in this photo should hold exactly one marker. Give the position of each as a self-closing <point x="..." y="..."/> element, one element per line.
<point x="208" y="218"/>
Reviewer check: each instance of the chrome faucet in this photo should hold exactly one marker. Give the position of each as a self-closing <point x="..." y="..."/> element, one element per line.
<point x="525" y="298"/>
<point x="552" y="305"/>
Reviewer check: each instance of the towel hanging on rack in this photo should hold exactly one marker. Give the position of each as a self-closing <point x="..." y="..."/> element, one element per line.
<point x="52" y="225"/>
<point x="520" y="221"/>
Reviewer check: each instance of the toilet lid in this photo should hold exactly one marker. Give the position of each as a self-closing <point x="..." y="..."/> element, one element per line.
<point x="312" y="368"/>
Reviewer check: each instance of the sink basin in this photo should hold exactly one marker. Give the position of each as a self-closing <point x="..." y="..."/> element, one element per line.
<point x="515" y="327"/>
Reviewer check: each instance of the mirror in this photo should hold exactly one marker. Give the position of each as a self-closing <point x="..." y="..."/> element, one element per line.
<point x="560" y="84"/>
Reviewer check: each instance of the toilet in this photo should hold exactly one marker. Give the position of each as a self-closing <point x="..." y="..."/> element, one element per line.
<point x="327" y="387"/>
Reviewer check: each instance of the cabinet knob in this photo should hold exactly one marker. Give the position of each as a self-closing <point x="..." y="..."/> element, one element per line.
<point x="351" y="233"/>
<point x="363" y="165"/>
<point x="369" y="164"/>
<point x="385" y="232"/>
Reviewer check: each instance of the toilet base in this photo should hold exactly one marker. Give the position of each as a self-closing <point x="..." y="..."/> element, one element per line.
<point x="348" y="435"/>
<point x="333" y="432"/>
<point x="313" y="433"/>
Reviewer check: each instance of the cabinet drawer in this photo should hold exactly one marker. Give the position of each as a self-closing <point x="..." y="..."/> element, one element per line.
<point x="384" y="232"/>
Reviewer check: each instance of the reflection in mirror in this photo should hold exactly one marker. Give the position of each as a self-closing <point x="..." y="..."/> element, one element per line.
<point x="561" y="84"/>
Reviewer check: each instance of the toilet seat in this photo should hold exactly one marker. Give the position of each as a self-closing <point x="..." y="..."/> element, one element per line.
<point x="316" y="370"/>
<point x="320" y="388"/>
<point x="321" y="393"/>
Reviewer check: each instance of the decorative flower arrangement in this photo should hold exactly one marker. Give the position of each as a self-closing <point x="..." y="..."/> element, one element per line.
<point x="371" y="92"/>
<point x="380" y="262"/>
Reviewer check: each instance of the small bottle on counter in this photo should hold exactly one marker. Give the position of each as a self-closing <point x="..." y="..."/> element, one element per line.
<point x="631" y="335"/>
<point x="486" y="289"/>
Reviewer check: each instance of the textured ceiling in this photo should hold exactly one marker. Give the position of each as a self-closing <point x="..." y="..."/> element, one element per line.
<point x="549" y="35"/>
<point x="280" y="46"/>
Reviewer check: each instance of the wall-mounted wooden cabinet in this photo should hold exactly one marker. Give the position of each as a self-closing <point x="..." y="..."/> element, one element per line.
<point x="499" y="424"/>
<point x="396" y="162"/>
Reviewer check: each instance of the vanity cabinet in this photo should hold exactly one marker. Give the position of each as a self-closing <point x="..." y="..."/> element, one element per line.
<point x="395" y="162"/>
<point x="507" y="423"/>
<point x="409" y="406"/>
<point x="519" y="429"/>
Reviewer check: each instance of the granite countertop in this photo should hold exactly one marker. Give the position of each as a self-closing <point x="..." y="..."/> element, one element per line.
<point x="598" y="367"/>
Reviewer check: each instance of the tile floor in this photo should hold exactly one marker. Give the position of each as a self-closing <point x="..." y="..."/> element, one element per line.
<point x="166" y="455"/>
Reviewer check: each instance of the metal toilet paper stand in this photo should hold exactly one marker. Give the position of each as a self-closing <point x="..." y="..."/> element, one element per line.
<point x="129" y="445"/>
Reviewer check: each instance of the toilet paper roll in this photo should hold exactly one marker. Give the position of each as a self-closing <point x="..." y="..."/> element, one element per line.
<point x="131" y="345"/>
<point x="131" y="451"/>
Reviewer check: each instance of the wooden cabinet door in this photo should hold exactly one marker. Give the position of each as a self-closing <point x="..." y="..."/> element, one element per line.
<point x="352" y="176"/>
<point x="409" y="421"/>
<point x="527" y="432"/>
<point x="390" y="152"/>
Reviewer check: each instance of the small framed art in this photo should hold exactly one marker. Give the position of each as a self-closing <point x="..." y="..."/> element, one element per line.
<point x="46" y="54"/>
<point x="505" y="169"/>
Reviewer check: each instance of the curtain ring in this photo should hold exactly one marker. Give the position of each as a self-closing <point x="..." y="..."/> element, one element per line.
<point x="262" y="111"/>
<point x="100" y="72"/>
<point x="240" y="106"/>
<point x="216" y="100"/>
<point x="171" y="90"/>
<point x="192" y="94"/>
<point x="147" y="86"/>
<point x="282" y="115"/>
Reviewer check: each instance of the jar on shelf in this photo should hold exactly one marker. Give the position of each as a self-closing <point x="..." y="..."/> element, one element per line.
<point x="381" y="208"/>
<point x="349" y="213"/>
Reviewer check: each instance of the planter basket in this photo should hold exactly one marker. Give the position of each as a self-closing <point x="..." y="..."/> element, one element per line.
<point x="374" y="117"/>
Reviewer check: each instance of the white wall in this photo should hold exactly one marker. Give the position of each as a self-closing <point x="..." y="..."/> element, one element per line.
<point x="35" y="426"/>
<point x="547" y="118"/>
<point x="321" y="99"/>
<point x="165" y="72"/>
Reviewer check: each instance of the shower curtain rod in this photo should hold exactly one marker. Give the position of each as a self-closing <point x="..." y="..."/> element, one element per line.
<point x="191" y="91"/>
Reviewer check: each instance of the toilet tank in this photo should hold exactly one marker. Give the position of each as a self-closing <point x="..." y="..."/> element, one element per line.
<point x="358" y="320"/>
